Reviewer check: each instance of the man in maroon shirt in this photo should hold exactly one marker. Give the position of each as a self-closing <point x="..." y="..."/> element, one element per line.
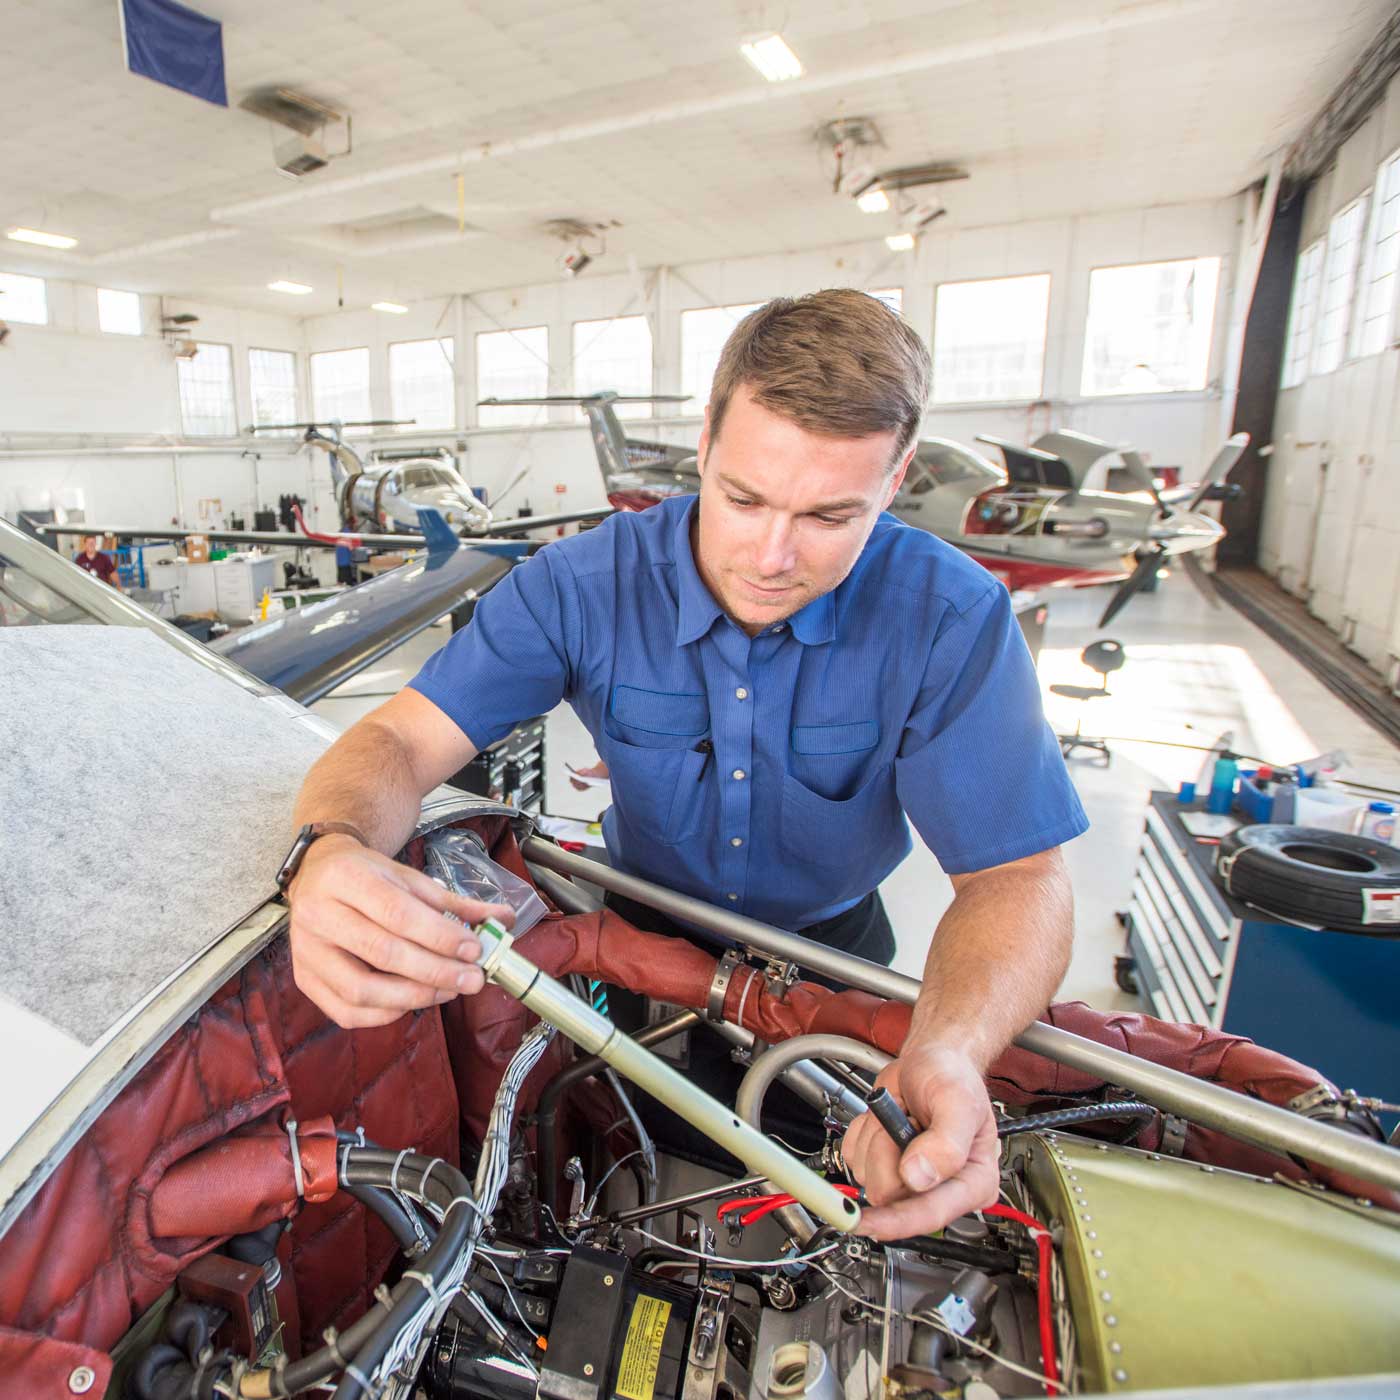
<point x="95" y="562"/>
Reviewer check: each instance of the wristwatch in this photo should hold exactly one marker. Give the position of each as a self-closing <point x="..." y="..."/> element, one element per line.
<point x="309" y="833"/>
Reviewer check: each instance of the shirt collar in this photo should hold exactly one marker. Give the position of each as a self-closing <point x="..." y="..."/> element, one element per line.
<point x="697" y="610"/>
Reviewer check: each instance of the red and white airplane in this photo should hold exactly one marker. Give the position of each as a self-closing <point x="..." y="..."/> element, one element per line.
<point x="1033" y="523"/>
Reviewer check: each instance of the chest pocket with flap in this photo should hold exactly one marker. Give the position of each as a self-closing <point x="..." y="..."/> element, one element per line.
<point x="649" y="739"/>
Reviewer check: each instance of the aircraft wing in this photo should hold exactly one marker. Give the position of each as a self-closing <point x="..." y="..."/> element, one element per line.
<point x="500" y="529"/>
<point x="308" y="651"/>
<point x="176" y="532"/>
<point x="535" y="522"/>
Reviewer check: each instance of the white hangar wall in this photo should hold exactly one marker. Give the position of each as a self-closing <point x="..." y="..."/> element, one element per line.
<point x="1181" y="429"/>
<point x="67" y="390"/>
<point x="1331" y="527"/>
<point x="79" y="406"/>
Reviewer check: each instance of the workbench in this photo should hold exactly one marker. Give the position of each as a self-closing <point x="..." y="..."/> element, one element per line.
<point x="1327" y="998"/>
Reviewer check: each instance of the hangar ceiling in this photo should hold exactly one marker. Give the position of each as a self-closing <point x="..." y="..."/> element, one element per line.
<point x="639" y="111"/>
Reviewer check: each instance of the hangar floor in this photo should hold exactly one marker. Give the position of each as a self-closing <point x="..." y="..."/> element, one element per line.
<point x="1192" y="672"/>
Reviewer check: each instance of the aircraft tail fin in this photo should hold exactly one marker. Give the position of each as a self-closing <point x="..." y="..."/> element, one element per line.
<point x="609" y="440"/>
<point x="440" y="537"/>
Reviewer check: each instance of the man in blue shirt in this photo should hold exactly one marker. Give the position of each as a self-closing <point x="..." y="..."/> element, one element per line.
<point x="777" y="674"/>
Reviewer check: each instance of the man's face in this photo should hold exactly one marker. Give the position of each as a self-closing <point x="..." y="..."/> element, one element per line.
<point x="784" y="513"/>
<point x="90" y="545"/>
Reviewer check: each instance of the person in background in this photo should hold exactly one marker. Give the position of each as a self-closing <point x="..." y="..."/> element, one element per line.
<point x="97" y="563"/>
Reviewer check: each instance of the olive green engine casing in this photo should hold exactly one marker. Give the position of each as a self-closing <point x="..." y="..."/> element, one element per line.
<point x="1180" y="1274"/>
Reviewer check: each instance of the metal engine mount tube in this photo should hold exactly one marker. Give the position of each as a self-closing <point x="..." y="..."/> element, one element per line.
<point x="777" y="1058"/>
<point x="1212" y="1106"/>
<point x="784" y="1059"/>
<point x="551" y="1001"/>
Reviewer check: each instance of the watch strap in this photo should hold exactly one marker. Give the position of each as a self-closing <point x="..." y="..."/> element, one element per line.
<point x="313" y="831"/>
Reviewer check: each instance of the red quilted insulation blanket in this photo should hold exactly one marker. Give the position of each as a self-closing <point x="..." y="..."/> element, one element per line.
<point x="195" y="1148"/>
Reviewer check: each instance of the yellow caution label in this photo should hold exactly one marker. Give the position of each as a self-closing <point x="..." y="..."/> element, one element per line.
<point x="641" y="1352"/>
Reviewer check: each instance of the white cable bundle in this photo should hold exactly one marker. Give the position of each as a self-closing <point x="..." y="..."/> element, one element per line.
<point x="393" y="1377"/>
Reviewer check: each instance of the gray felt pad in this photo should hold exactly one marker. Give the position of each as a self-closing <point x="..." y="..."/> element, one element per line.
<point x="145" y="804"/>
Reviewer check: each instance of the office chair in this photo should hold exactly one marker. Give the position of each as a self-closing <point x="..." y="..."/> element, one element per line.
<point x="1103" y="657"/>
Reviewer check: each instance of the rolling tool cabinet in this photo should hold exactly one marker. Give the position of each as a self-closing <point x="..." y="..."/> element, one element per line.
<point x="1327" y="998"/>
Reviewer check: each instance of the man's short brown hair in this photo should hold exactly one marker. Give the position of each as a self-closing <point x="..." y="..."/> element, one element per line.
<point x="839" y="363"/>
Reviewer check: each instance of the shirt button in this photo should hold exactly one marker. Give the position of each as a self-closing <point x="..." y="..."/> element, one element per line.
<point x="741" y="694"/>
<point x="736" y="840"/>
<point x="732" y="898"/>
<point x="738" y="775"/>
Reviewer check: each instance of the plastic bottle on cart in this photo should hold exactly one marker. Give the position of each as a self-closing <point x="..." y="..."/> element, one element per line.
<point x="1285" y="795"/>
<point x="1222" y="786"/>
<point x="1378" y="823"/>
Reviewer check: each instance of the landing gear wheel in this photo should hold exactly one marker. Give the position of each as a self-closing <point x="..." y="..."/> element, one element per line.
<point x="1125" y="975"/>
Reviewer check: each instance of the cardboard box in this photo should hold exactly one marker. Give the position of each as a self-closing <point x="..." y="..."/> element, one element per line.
<point x="197" y="549"/>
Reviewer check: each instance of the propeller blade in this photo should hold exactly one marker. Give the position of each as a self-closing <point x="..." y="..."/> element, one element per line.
<point x="1140" y="473"/>
<point x="1201" y="577"/>
<point x="1230" y="453"/>
<point x="1133" y="584"/>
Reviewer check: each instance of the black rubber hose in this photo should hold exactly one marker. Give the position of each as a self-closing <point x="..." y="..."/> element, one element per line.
<point x="191" y="1326"/>
<point x="391" y="1213"/>
<point x="1069" y="1117"/>
<point x="147" y="1378"/>
<point x="405" y="1301"/>
<point x="364" y="1166"/>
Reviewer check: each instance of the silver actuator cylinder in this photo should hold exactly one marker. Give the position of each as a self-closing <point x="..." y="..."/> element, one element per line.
<point x="553" y="1002"/>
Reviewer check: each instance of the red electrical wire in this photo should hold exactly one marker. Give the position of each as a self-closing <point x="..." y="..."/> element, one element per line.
<point x="759" y="1206"/>
<point x="1044" y="1248"/>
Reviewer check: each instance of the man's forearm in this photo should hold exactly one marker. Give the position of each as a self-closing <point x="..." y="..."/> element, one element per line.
<point x="366" y="778"/>
<point x="998" y="955"/>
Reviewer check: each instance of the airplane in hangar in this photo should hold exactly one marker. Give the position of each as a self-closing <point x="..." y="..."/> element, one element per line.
<point x="1034" y="524"/>
<point x="387" y="492"/>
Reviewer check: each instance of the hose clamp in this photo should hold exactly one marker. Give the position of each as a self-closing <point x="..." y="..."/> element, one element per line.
<point x="719" y="985"/>
<point x="296" y="1159"/>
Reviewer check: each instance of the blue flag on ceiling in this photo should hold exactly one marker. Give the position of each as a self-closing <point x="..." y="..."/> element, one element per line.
<point x="176" y="46"/>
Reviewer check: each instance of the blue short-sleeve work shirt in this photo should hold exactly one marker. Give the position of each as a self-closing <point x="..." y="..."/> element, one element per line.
<point x="773" y="774"/>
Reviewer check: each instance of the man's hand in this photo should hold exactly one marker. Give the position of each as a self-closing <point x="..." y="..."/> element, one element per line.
<point x="951" y="1168"/>
<point x="369" y="941"/>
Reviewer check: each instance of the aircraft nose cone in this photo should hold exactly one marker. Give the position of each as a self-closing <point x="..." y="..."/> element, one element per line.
<point x="1189" y="530"/>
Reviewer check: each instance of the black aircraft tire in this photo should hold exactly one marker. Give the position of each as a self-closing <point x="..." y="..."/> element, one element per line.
<point x="1316" y="875"/>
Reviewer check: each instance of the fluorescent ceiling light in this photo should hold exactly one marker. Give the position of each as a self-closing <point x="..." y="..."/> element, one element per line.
<point x="899" y="242"/>
<point x="873" y="201"/>
<point x="771" y="56"/>
<point x="45" y="240"/>
<point x="390" y="306"/>
<point x="292" y="289"/>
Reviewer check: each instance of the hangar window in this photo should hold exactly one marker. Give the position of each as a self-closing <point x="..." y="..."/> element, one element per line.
<point x="614" y="354"/>
<point x="1377" y="306"/>
<point x="989" y="339"/>
<point x="421" y="383"/>
<point x="1149" y="327"/>
<point x="1338" y="284"/>
<point x="272" y="380"/>
<point x="118" y="313"/>
<point x="512" y="365"/>
<point x="703" y="333"/>
<point x="206" y="392"/>
<point x="340" y="386"/>
<point x="23" y="299"/>
<point x="1302" y="314"/>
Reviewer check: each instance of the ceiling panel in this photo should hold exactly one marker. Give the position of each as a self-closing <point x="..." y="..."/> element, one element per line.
<point x="1162" y="102"/>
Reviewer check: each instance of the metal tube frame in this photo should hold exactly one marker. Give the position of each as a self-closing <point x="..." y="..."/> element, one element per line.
<point x="1210" y="1105"/>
